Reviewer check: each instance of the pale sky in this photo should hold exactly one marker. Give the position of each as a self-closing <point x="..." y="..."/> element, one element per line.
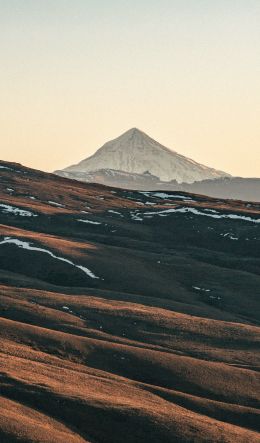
<point x="77" y="73"/>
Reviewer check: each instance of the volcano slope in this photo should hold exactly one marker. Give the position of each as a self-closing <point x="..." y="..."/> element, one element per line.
<point x="126" y="316"/>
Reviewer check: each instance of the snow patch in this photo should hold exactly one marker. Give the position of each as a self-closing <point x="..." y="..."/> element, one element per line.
<point x="28" y="247"/>
<point x="201" y="289"/>
<point x="91" y="222"/>
<point x="56" y="204"/>
<point x="136" y="216"/>
<point x="164" y="196"/>
<point x="8" y="209"/>
<point x="229" y="235"/>
<point x="198" y="212"/>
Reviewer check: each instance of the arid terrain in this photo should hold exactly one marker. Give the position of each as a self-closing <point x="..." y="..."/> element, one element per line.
<point x="126" y="316"/>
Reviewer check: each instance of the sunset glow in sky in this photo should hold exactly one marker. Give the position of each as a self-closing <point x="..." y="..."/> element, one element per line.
<point x="75" y="74"/>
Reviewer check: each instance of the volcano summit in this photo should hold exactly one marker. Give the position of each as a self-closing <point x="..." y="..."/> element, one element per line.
<point x="135" y="152"/>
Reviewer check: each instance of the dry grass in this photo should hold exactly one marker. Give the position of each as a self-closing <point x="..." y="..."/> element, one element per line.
<point x="137" y="355"/>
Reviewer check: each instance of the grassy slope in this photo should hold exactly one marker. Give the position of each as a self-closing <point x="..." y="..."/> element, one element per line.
<point x="139" y="354"/>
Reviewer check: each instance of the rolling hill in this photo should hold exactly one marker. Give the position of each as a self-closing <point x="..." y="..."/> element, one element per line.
<point x="126" y="315"/>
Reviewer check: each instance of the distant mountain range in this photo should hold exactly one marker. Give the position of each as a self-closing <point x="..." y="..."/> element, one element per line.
<point x="136" y="161"/>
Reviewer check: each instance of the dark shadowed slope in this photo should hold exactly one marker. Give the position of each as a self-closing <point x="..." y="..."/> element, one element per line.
<point x="126" y="316"/>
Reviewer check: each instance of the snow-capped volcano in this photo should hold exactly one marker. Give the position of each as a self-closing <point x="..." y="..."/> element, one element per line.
<point x="136" y="152"/>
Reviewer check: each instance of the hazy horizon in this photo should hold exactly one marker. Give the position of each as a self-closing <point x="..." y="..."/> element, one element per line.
<point x="76" y="75"/>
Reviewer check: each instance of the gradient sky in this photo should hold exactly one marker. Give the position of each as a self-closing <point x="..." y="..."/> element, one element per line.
<point x="76" y="73"/>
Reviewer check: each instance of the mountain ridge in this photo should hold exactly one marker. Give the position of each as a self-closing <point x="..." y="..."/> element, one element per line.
<point x="238" y="188"/>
